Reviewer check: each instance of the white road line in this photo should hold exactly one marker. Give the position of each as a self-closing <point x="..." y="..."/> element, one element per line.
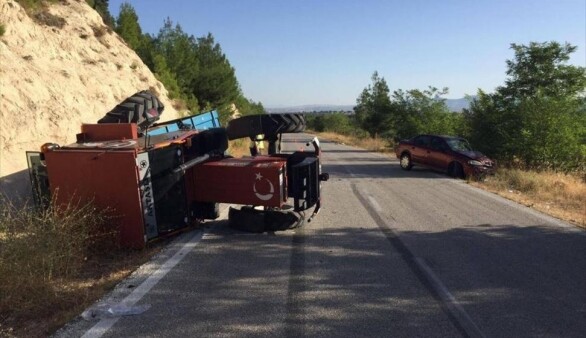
<point x="449" y="300"/>
<point x="105" y="324"/>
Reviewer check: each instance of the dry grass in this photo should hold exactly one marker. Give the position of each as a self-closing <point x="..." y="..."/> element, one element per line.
<point x="239" y="147"/>
<point x="371" y="144"/>
<point x="38" y="10"/>
<point x="54" y="263"/>
<point x="43" y="17"/>
<point x="560" y="195"/>
<point x="556" y="194"/>
<point x="100" y="31"/>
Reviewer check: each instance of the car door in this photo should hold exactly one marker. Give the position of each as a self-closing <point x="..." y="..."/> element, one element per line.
<point x="420" y="149"/>
<point x="438" y="157"/>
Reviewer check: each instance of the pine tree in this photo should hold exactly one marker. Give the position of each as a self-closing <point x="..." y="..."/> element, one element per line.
<point x="101" y="6"/>
<point x="128" y="28"/>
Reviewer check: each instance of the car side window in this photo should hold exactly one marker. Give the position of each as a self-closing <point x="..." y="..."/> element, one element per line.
<point x="437" y="144"/>
<point x="422" y="141"/>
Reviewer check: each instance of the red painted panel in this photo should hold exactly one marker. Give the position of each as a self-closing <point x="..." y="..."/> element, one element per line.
<point x="109" y="131"/>
<point x="250" y="181"/>
<point x="108" y="178"/>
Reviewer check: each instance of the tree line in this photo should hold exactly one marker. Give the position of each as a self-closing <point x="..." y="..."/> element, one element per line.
<point x="195" y="71"/>
<point x="536" y="119"/>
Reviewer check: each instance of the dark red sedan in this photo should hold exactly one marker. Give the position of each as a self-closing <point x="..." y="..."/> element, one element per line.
<point x="446" y="153"/>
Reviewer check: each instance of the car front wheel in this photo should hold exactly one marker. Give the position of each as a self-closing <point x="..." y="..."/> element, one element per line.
<point x="405" y="162"/>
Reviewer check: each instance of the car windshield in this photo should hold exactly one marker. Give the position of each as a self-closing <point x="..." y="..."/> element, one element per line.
<point x="458" y="144"/>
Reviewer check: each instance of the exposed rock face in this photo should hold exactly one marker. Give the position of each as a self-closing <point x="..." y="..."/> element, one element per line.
<point x="54" y="79"/>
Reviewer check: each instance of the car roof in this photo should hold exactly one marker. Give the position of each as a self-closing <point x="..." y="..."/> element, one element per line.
<point x="445" y="137"/>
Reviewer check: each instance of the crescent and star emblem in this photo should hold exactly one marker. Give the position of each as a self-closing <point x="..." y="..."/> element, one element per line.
<point x="263" y="197"/>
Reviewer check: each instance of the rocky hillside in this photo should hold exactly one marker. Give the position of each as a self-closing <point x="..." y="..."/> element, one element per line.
<point x="62" y="69"/>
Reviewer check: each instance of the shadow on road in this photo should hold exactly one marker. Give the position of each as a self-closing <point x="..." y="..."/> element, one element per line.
<point x="515" y="281"/>
<point x="16" y="186"/>
<point x="377" y="168"/>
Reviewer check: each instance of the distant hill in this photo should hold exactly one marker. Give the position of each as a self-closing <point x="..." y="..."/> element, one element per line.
<point x="455" y="105"/>
<point x="310" y="108"/>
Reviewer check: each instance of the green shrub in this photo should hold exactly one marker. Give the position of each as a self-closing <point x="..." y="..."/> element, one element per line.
<point x="2" y="29"/>
<point x="30" y="5"/>
<point x="537" y="120"/>
<point x="33" y="5"/>
<point x="334" y="122"/>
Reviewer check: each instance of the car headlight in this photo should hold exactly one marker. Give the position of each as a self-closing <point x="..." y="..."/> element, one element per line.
<point x="474" y="163"/>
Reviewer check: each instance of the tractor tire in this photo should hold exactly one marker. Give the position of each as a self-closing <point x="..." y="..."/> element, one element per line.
<point x="246" y="219"/>
<point x="142" y="108"/>
<point x="282" y="220"/>
<point x="249" y="219"/>
<point x="266" y="124"/>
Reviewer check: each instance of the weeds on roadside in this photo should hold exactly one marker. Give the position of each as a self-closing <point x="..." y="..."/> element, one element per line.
<point x="561" y="195"/>
<point x="40" y="250"/>
<point x="377" y="144"/>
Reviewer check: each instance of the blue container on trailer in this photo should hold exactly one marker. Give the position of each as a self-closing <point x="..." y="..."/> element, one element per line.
<point x="201" y="121"/>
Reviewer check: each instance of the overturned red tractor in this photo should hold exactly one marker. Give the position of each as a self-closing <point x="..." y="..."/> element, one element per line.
<point x="159" y="178"/>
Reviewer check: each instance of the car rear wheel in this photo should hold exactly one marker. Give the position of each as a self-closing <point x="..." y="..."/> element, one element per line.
<point x="405" y="162"/>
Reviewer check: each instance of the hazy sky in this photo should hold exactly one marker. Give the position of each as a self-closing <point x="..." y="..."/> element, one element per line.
<point x="324" y="51"/>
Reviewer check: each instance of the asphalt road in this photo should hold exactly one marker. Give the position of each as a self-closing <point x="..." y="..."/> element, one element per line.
<point x="392" y="254"/>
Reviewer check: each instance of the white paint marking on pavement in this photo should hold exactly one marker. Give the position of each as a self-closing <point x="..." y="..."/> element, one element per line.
<point x="452" y="304"/>
<point x="375" y="204"/>
<point x="449" y="301"/>
<point x="105" y="324"/>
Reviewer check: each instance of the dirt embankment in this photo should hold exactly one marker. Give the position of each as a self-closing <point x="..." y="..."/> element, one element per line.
<point x="56" y="75"/>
